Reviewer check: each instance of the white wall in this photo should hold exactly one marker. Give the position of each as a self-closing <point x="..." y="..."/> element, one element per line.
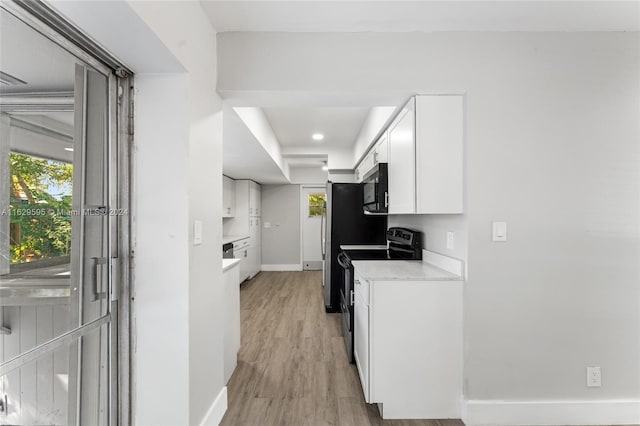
<point x="337" y="158"/>
<point x="178" y="329"/>
<point x="376" y="121"/>
<point x="302" y="175"/>
<point x="187" y="32"/>
<point x="161" y="233"/>
<point x="552" y="148"/>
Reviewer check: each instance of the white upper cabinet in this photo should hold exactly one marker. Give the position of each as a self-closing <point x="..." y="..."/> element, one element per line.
<point x="381" y="149"/>
<point x="426" y="157"/>
<point x="439" y="154"/>
<point x="254" y="199"/>
<point x="228" y="197"/>
<point x="402" y="163"/>
<point x="358" y="174"/>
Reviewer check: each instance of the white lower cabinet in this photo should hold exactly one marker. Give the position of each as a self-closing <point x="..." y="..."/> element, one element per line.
<point x="231" y="342"/>
<point x="241" y="250"/>
<point x="256" y="253"/>
<point x="408" y="346"/>
<point x="361" y="337"/>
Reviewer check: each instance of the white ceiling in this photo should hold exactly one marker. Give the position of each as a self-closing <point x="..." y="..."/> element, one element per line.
<point x="294" y="126"/>
<point x="423" y="16"/>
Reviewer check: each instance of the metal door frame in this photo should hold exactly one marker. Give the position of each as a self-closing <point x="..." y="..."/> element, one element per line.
<point x="46" y="21"/>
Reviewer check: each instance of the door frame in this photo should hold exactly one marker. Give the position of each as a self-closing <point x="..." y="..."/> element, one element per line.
<point x="45" y="20"/>
<point x="302" y="218"/>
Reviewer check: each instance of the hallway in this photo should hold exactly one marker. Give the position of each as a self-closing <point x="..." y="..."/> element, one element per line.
<point x="292" y="366"/>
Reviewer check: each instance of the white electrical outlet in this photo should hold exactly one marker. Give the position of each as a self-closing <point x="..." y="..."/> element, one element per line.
<point x="450" y="240"/>
<point x="594" y="377"/>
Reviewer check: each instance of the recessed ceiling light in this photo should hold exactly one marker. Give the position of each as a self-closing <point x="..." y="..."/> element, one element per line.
<point x="69" y="149"/>
<point x="317" y="136"/>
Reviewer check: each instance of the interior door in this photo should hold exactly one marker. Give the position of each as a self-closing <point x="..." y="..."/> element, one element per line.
<point x="312" y="200"/>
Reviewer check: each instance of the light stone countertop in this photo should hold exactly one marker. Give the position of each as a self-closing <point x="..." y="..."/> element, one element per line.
<point x="233" y="238"/>
<point x="402" y="270"/>
<point x="363" y="247"/>
<point x="229" y="263"/>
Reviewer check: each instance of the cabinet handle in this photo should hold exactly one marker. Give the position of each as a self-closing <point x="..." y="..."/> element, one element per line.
<point x="352" y="297"/>
<point x="245" y="253"/>
<point x="386" y="199"/>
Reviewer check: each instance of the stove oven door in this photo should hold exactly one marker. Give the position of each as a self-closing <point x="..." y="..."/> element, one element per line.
<point x="346" y="304"/>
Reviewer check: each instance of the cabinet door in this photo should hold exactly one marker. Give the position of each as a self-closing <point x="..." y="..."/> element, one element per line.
<point x="231" y="321"/>
<point x="228" y="197"/>
<point x="382" y="149"/>
<point x="368" y="163"/>
<point x="254" y="199"/>
<point x="439" y="154"/>
<point x="361" y="338"/>
<point x="402" y="166"/>
<point x="252" y="260"/>
<point x="256" y="241"/>
<point x="245" y="267"/>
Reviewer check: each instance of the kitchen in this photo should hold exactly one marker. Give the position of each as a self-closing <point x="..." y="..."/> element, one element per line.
<point x="416" y="145"/>
<point x="550" y="156"/>
<point x="510" y="178"/>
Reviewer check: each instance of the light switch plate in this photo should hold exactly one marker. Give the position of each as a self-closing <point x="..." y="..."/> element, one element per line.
<point x="197" y="232"/>
<point x="450" y="240"/>
<point x="500" y="231"/>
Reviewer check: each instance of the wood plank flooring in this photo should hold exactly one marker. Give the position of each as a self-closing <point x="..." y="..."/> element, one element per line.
<point x="292" y="366"/>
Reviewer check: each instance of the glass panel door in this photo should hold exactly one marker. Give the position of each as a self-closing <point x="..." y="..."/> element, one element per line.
<point x="58" y="229"/>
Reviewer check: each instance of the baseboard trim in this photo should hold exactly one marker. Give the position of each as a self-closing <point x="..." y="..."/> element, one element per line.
<point x="514" y="413"/>
<point x="216" y="411"/>
<point x="292" y="267"/>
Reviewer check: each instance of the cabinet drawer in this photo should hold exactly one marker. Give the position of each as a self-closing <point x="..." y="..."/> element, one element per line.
<point x="239" y="245"/>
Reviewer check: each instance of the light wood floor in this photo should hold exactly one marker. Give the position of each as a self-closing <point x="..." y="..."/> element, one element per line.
<point x="292" y="366"/>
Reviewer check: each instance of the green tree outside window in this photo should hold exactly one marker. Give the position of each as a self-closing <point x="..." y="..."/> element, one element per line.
<point x="40" y="207"/>
<point x="316" y="202"/>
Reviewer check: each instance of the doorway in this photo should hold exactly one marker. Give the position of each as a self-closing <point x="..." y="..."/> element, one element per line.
<point x="312" y="199"/>
<point x="64" y="223"/>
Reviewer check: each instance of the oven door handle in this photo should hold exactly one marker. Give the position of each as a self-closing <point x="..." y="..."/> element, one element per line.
<point x="343" y="261"/>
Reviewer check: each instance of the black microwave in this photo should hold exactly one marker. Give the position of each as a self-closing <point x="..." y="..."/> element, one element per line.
<point x="375" y="189"/>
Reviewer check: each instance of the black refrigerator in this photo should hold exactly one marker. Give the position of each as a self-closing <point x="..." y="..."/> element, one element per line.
<point x="344" y="222"/>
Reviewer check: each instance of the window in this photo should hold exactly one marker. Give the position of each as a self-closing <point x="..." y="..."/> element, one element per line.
<point x="316" y="202"/>
<point x="39" y="208"/>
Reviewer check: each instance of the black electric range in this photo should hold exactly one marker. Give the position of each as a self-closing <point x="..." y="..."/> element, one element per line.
<point x="403" y="244"/>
